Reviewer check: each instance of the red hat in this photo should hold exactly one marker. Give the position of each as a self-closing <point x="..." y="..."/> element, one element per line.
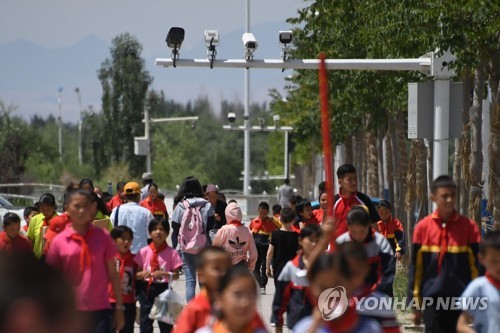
<point x="57" y="224"/>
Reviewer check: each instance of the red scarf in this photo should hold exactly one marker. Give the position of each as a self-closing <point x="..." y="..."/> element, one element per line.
<point x="154" y="263"/>
<point x="236" y="223"/>
<point x="492" y="280"/>
<point x="444" y="236"/>
<point x="85" y="256"/>
<point x="122" y="259"/>
<point x="6" y="240"/>
<point x="347" y="322"/>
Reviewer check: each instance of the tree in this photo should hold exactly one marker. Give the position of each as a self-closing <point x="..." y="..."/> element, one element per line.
<point x="13" y="145"/>
<point x="125" y="83"/>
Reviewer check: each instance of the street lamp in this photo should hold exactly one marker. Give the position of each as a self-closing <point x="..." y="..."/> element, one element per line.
<point x="80" y="121"/>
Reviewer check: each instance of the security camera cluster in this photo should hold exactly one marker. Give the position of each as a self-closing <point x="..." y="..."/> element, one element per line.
<point x="175" y="37"/>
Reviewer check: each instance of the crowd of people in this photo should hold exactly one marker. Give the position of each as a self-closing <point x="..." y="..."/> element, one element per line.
<point x="84" y="270"/>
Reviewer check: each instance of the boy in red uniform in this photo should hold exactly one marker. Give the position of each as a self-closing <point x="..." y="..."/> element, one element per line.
<point x="212" y="264"/>
<point x="444" y="258"/>
<point x="391" y="228"/>
<point x="262" y="227"/>
<point x="10" y="239"/>
<point x="127" y="268"/>
<point x="349" y="197"/>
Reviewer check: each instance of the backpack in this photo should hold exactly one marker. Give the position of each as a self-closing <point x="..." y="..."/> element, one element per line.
<point x="192" y="236"/>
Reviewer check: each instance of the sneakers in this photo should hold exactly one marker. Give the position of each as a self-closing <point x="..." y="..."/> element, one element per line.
<point x="262" y="291"/>
<point x="272" y="324"/>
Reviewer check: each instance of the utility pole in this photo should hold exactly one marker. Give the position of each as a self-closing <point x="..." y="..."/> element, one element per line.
<point x="246" y="116"/>
<point x="80" y="124"/>
<point x="60" y="125"/>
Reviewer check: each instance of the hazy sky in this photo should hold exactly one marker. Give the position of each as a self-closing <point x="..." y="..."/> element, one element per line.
<point x="56" y="24"/>
<point x="59" y="23"/>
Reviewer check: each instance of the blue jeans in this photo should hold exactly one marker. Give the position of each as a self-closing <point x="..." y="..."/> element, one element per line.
<point x="189" y="269"/>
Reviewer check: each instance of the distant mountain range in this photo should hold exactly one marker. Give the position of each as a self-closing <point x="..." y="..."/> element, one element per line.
<point x="31" y="74"/>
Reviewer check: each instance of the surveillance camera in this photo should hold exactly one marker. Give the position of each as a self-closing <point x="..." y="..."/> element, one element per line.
<point x="250" y="44"/>
<point x="231" y="116"/>
<point x="249" y="41"/>
<point x="285" y="37"/>
<point x="276" y="118"/>
<point x="211" y="38"/>
<point x="175" y="37"/>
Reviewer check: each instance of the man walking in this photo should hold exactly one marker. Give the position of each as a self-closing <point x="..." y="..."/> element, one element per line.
<point x="285" y="192"/>
<point x="133" y="216"/>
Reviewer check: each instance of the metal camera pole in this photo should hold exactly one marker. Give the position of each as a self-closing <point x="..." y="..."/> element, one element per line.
<point x="246" y="116"/>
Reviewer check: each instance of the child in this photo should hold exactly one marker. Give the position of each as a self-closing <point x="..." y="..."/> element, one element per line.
<point x="283" y="247"/>
<point x="444" y="257"/>
<point x="276" y="214"/>
<point x="237" y="239"/>
<point x="38" y="222"/>
<point x="28" y="214"/>
<point x="349" y="197"/>
<point x="391" y="228"/>
<point x="320" y="213"/>
<point x="379" y="250"/>
<point x="155" y="263"/>
<point x="304" y="214"/>
<point x="127" y="268"/>
<point x="327" y="273"/>
<point x="85" y="255"/>
<point x="236" y="302"/>
<point x="352" y="255"/>
<point x="261" y="228"/>
<point x="292" y="297"/>
<point x="486" y="287"/>
<point x="10" y="239"/>
<point x="212" y="264"/>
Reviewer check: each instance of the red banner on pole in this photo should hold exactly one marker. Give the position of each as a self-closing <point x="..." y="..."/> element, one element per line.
<point x="327" y="147"/>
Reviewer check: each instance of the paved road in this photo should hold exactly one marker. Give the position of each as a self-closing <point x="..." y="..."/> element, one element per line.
<point x="264" y="305"/>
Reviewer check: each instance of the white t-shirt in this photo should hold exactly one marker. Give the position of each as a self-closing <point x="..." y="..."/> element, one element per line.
<point x="136" y="218"/>
<point x="486" y="320"/>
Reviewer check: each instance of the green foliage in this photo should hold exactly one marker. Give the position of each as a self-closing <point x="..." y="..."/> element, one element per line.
<point x="13" y="144"/>
<point x="125" y="83"/>
<point x="375" y="29"/>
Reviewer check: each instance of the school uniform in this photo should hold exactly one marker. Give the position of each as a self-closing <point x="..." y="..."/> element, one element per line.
<point x="261" y="230"/>
<point x="381" y="260"/>
<point x="443" y="263"/>
<point x="17" y="244"/>
<point x="342" y="206"/>
<point x="292" y="297"/>
<point x="394" y="232"/>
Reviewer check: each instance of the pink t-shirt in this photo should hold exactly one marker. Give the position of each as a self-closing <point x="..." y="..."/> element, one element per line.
<point x="238" y="242"/>
<point x="91" y="285"/>
<point x="168" y="259"/>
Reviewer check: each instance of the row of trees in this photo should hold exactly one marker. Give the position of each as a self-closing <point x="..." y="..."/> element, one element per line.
<point x="369" y="108"/>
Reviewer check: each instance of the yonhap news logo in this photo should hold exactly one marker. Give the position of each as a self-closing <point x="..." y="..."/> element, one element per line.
<point x="333" y="303"/>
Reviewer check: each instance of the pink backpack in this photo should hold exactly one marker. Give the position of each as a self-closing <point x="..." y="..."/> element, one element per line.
<point x="192" y="236"/>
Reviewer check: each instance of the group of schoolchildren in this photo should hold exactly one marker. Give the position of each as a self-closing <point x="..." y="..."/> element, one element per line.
<point x="304" y="250"/>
